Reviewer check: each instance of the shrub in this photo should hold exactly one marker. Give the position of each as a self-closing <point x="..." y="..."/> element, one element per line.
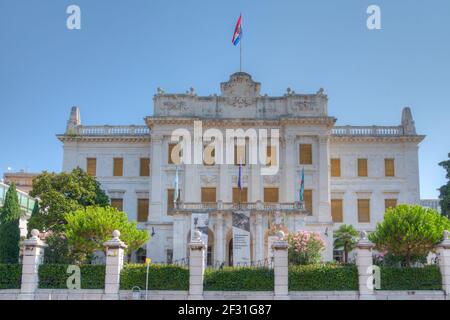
<point x="327" y="277"/>
<point x="239" y="279"/>
<point x="10" y="276"/>
<point x="427" y="278"/>
<point x="54" y="276"/>
<point x="305" y="247"/>
<point x="161" y="277"/>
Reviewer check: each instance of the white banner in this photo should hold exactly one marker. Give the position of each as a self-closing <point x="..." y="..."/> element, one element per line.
<point x="241" y="238"/>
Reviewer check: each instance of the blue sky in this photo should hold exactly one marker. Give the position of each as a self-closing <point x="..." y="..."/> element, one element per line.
<point x="126" y="49"/>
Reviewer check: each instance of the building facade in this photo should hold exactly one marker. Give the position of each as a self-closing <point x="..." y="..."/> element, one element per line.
<point x="351" y="174"/>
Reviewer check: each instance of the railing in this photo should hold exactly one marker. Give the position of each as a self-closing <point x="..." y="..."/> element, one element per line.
<point x="26" y="202"/>
<point x="111" y="131"/>
<point x="367" y="131"/>
<point x="228" y="206"/>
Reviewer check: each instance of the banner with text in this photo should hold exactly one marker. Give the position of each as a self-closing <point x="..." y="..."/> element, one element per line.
<point x="241" y="238"/>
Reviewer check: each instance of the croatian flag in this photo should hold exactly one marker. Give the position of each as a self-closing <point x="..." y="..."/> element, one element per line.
<point x="237" y="32"/>
<point x="302" y="186"/>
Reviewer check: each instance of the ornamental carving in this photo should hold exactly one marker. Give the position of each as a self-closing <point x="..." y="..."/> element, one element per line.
<point x="208" y="180"/>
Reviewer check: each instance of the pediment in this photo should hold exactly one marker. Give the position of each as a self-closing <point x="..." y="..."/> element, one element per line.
<point x="240" y="85"/>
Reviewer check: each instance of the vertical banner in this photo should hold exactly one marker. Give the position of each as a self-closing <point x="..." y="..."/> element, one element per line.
<point x="200" y="221"/>
<point x="241" y="238"/>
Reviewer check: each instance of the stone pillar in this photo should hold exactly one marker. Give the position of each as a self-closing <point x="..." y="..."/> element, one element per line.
<point x="280" y="264"/>
<point x="179" y="249"/>
<point x="288" y="189"/>
<point x="220" y="239"/>
<point x="196" y="267"/>
<point x="156" y="179"/>
<point x="33" y="256"/>
<point x="114" y="250"/>
<point x="324" y="180"/>
<point x="364" y="263"/>
<point x="443" y="250"/>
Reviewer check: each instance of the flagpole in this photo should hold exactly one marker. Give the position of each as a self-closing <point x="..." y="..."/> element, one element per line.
<point x="240" y="55"/>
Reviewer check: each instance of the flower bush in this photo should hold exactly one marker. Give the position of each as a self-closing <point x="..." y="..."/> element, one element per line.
<point x="305" y="247"/>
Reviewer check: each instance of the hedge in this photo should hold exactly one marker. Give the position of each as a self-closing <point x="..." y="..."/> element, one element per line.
<point x="238" y="279"/>
<point x="10" y="276"/>
<point x="326" y="277"/>
<point x="54" y="276"/>
<point x="407" y="278"/>
<point x="160" y="277"/>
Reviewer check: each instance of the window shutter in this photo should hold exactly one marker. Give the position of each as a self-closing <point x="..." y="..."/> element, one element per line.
<point x="208" y="195"/>
<point x="307" y="196"/>
<point x="362" y="168"/>
<point x="244" y="195"/>
<point x="305" y="154"/>
<point x="117" y="203"/>
<point x="336" y="210"/>
<point x="142" y="210"/>
<point x="118" y="167"/>
<point x="92" y="167"/>
<point x="145" y="167"/>
<point x="389" y="167"/>
<point x="271" y="195"/>
<point x="335" y="167"/>
<point x="390" y="203"/>
<point x="363" y="210"/>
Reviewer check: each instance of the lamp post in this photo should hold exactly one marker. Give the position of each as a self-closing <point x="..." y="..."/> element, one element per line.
<point x="147" y="262"/>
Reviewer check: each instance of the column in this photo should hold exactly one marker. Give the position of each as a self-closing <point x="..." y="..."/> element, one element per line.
<point x="364" y="263"/>
<point x="156" y="181"/>
<point x="280" y="264"/>
<point x="255" y="183"/>
<point x="196" y="267"/>
<point x="259" y="256"/>
<point x="33" y="256"/>
<point x="324" y="180"/>
<point x="220" y="239"/>
<point x="224" y="184"/>
<point x="192" y="188"/>
<point x="179" y="250"/>
<point x="443" y="250"/>
<point x="289" y="173"/>
<point x="114" y="250"/>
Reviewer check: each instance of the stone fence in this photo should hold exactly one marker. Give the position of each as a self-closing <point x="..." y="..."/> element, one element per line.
<point x="34" y="251"/>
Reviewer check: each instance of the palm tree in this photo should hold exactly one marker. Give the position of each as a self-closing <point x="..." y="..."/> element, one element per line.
<point x="345" y="237"/>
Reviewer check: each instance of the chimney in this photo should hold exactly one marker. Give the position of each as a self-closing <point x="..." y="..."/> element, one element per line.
<point x="74" y="120"/>
<point x="409" y="127"/>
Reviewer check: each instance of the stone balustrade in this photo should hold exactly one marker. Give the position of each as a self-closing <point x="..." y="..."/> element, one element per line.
<point x="228" y="206"/>
<point x="111" y="130"/>
<point x="367" y="131"/>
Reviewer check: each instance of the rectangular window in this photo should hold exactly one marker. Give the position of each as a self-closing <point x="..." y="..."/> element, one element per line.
<point x="144" y="167"/>
<point x="362" y="168"/>
<point x="209" y="154"/>
<point x="239" y="155"/>
<point x="208" y="195"/>
<point x="271" y="195"/>
<point x="336" y="210"/>
<point x="390" y="203"/>
<point x="117" y="203"/>
<point x="170" y="196"/>
<point x="175" y="158"/>
<point x="91" y="166"/>
<point x="389" y="167"/>
<point x="363" y="210"/>
<point x="243" y="196"/>
<point x="306" y="154"/>
<point x="335" y="167"/>
<point x="307" y="196"/>
<point x="271" y="156"/>
<point x="118" y="167"/>
<point x="142" y="210"/>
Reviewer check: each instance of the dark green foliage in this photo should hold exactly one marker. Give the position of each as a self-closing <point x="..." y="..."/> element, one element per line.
<point x="32" y="221"/>
<point x="427" y="278"/>
<point x="9" y="227"/>
<point x="161" y="277"/>
<point x="54" y="276"/>
<point x="327" y="277"/>
<point x="444" y="191"/>
<point x="10" y="276"/>
<point x="239" y="279"/>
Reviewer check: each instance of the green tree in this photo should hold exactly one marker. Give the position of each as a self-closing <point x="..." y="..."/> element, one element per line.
<point x="33" y="218"/>
<point x="87" y="229"/>
<point x="445" y="189"/>
<point x="9" y="227"/>
<point x="409" y="231"/>
<point x="62" y="193"/>
<point x="345" y="237"/>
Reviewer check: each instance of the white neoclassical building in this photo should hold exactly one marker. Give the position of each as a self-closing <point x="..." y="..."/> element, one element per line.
<point x="351" y="173"/>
